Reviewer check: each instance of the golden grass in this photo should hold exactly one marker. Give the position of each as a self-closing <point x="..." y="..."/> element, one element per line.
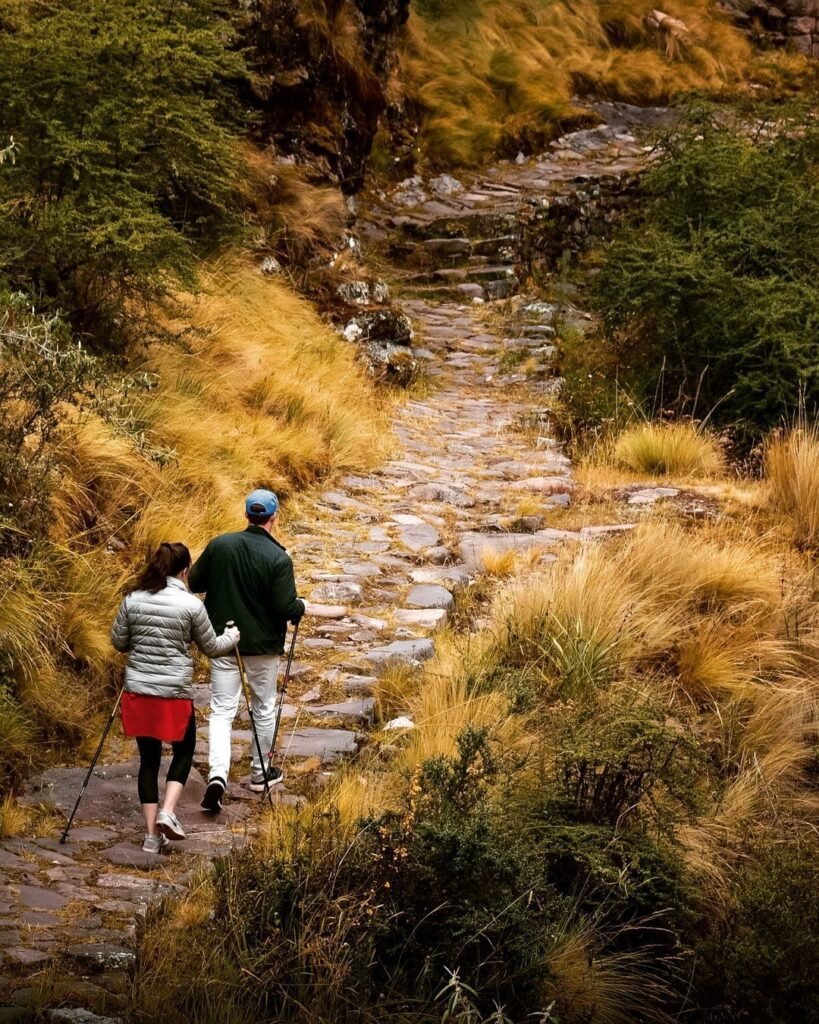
<point x="792" y="472"/>
<point x="14" y="819"/>
<point x="298" y="219"/>
<point x="493" y="75"/>
<point x="669" y="449"/>
<point x="589" y="983"/>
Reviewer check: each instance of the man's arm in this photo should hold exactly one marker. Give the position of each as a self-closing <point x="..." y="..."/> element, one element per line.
<point x="285" y="604"/>
<point x="200" y="570"/>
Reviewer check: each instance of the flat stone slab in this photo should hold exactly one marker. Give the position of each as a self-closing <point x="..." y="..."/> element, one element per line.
<point x="26" y="956"/>
<point x="410" y="652"/>
<point x="429" y="595"/>
<point x="325" y="611"/>
<point x="456" y="576"/>
<point x="101" y="956"/>
<point x="355" y="710"/>
<point x="329" y="745"/>
<point x="131" y="855"/>
<point x="37" y="897"/>
<point x="417" y="536"/>
<point x="650" y="495"/>
<point x="423" y="618"/>
<point x="359" y="684"/>
<point x="336" y="593"/>
<point x="472" y="545"/>
<point x="542" y="484"/>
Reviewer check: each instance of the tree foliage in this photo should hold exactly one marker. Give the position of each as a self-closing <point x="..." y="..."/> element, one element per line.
<point x="710" y="296"/>
<point x="123" y="159"/>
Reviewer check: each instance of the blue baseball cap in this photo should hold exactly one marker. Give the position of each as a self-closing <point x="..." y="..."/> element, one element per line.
<point x="261" y="503"/>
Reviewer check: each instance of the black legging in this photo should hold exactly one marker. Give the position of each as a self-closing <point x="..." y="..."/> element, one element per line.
<point x="150" y="757"/>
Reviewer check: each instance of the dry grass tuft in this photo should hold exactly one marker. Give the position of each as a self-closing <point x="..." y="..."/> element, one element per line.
<point x="14" y="819"/>
<point x="491" y="76"/>
<point x="589" y="983"/>
<point x="669" y="449"/>
<point x="792" y="471"/>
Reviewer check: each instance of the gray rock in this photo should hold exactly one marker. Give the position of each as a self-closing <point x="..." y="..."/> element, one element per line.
<point x="75" y="1015"/>
<point x="360" y="710"/>
<point x="424" y="618"/>
<point x="429" y="595"/>
<point x="380" y="325"/>
<point x="560" y="500"/>
<point x="418" y="536"/>
<point x="359" y="684"/>
<point x="456" y="576"/>
<point x="131" y="855"/>
<point x="651" y="495"/>
<point x="35" y="897"/>
<point x="410" y="652"/>
<point x="329" y="745"/>
<point x="27" y="956"/>
<point x="445" y="185"/>
<point x="100" y="956"/>
<point x="326" y="611"/>
<point x="337" y="593"/>
<point x="543" y="484"/>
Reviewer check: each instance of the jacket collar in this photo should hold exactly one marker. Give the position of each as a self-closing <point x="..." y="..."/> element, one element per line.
<point x="174" y="582"/>
<point x="258" y="530"/>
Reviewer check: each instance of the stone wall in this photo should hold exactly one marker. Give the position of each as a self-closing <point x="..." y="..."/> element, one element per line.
<point x="793" y="23"/>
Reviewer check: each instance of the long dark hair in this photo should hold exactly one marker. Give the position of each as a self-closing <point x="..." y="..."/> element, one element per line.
<point x="167" y="560"/>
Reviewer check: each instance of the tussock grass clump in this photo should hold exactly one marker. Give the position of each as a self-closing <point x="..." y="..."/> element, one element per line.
<point x="14" y="818"/>
<point x="669" y="449"/>
<point x="493" y="76"/>
<point x="792" y="471"/>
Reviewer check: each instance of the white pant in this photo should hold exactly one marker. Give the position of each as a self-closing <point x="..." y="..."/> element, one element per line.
<point x="226" y="686"/>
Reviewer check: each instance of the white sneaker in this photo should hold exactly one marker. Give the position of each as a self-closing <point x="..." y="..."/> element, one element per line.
<point x="155" y="844"/>
<point x="168" y="825"/>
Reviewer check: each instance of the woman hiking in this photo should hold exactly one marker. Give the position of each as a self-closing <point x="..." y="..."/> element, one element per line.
<point x="156" y="624"/>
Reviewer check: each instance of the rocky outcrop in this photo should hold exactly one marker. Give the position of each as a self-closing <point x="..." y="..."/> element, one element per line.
<point x="783" y="23"/>
<point x="322" y="71"/>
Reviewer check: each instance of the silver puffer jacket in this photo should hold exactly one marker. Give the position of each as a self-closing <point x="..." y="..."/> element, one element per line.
<point x="157" y="630"/>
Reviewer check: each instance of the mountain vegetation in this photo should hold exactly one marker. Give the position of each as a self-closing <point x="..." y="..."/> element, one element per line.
<point x="606" y="810"/>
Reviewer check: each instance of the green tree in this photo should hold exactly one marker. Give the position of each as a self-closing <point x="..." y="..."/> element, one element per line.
<point x="122" y="118"/>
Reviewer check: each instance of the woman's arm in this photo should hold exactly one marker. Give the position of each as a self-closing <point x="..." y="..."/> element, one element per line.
<point x="205" y="637"/>
<point x="121" y="629"/>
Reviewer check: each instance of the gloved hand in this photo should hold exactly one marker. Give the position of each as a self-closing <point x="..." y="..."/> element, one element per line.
<point x="295" y="618"/>
<point x="233" y="633"/>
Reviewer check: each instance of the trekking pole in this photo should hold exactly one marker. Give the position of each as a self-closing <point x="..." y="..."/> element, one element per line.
<point x="64" y="836"/>
<point x="285" y="681"/>
<point x="240" y="661"/>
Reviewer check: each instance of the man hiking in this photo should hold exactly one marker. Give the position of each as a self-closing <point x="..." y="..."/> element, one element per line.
<point x="247" y="577"/>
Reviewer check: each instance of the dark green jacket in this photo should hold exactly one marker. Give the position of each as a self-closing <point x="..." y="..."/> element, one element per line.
<point x="248" y="577"/>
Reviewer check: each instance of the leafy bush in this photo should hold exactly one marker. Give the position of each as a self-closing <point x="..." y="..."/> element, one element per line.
<point x="709" y="296"/>
<point x="763" y="969"/>
<point x="123" y="156"/>
<point x="42" y="370"/>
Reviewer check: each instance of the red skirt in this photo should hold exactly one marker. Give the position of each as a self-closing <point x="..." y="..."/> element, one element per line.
<point x="162" y="718"/>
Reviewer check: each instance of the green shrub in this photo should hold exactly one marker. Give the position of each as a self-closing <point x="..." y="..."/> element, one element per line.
<point x="761" y="967"/>
<point x="122" y="155"/>
<point x="42" y="370"/>
<point x="709" y="295"/>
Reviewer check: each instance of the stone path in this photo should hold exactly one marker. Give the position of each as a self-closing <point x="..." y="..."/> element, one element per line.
<point x="380" y="557"/>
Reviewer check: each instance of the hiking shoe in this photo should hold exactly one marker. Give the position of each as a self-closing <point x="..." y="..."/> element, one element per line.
<point x="156" y="843"/>
<point x="212" y="800"/>
<point x="275" y="776"/>
<point x="168" y="825"/>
